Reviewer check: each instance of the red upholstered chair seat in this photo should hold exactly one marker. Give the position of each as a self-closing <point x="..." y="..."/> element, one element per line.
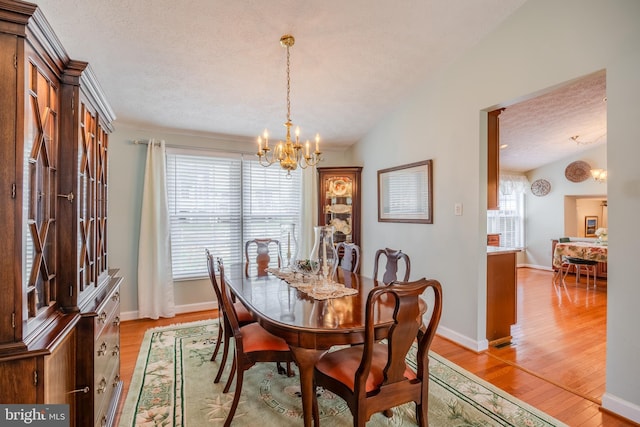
<point x="341" y="365"/>
<point x="256" y="338"/>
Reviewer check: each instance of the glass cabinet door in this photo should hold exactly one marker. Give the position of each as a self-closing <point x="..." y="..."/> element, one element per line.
<point x="339" y="202"/>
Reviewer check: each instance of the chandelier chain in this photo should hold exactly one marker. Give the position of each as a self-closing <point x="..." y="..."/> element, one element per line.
<point x="288" y="88"/>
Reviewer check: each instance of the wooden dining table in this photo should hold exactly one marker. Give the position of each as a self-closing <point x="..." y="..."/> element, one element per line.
<point x="310" y="327"/>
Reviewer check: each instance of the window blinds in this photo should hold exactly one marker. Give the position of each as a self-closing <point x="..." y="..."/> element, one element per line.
<point x="219" y="202"/>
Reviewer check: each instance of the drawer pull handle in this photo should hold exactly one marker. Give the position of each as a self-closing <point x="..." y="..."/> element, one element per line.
<point x="116" y="322"/>
<point x="103" y="349"/>
<point x="103" y="421"/>
<point x="116" y="380"/>
<point x="103" y="317"/>
<point x="103" y="386"/>
<point x="84" y="390"/>
<point x="116" y="297"/>
<point x="116" y="350"/>
<point x="69" y="196"/>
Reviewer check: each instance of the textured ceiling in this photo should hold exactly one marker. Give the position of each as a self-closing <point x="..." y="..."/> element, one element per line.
<point x="217" y="68"/>
<point x="557" y="124"/>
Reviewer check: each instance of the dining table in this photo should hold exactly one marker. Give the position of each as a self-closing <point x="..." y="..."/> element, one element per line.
<point x="310" y="326"/>
<point x="592" y="251"/>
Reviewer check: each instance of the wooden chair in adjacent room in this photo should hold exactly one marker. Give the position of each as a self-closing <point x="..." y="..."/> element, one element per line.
<point x="391" y="267"/>
<point x="224" y="331"/>
<point x="262" y="255"/>
<point x="350" y="256"/>
<point x="253" y="344"/>
<point x="375" y="377"/>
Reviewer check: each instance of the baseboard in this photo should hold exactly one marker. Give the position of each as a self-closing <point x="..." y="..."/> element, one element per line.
<point x="621" y="407"/>
<point x="536" y="267"/>
<point x="462" y="340"/>
<point x="180" y="309"/>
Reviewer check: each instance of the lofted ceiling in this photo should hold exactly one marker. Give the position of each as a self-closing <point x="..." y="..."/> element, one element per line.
<point x="216" y="68"/>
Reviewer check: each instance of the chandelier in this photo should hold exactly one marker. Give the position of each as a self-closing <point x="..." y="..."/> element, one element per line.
<point x="290" y="154"/>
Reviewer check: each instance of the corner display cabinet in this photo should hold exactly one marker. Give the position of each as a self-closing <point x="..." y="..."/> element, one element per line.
<point x="59" y="311"/>
<point x="339" y="202"/>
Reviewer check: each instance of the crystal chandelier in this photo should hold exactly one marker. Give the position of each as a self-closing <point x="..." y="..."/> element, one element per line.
<point x="290" y="154"/>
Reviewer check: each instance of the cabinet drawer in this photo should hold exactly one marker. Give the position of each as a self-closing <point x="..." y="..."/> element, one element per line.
<point x="107" y="313"/>
<point x="493" y="240"/>
<point x="105" y="388"/>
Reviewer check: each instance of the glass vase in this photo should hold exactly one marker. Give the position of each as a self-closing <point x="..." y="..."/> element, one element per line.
<point x="324" y="252"/>
<point x="288" y="245"/>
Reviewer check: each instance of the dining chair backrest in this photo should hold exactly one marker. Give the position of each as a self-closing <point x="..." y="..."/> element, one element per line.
<point x="350" y="256"/>
<point x="211" y="268"/>
<point x="393" y="257"/>
<point x="375" y="376"/>
<point x="229" y="310"/>
<point x="262" y="255"/>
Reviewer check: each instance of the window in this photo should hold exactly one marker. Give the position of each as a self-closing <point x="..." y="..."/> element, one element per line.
<point x="219" y="201"/>
<point x="509" y="219"/>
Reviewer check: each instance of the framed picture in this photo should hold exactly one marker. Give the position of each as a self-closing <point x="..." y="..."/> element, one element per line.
<point x="590" y="226"/>
<point x="405" y="193"/>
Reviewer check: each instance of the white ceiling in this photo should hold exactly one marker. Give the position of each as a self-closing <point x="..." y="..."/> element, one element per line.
<point x="217" y="67"/>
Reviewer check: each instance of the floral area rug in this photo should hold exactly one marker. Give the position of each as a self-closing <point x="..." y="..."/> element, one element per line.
<point x="173" y="386"/>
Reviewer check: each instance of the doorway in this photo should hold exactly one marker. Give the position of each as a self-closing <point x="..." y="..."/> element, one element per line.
<point x="527" y="134"/>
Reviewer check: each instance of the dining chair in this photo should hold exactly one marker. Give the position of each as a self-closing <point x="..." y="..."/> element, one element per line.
<point x="263" y="258"/>
<point x="391" y="268"/>
<point x="253" y="344"/>
<point x="375" y="377"/>
<point x="224" y="331"/>
<point x="350" y="256"/>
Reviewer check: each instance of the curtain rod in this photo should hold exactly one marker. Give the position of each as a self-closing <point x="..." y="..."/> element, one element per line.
<point x="188" y="147"/>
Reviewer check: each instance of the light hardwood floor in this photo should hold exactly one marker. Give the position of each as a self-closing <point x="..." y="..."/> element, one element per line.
<point x="556" y="361"/>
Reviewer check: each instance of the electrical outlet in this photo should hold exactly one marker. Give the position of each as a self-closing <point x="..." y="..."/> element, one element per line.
<point x="457" y="209"/>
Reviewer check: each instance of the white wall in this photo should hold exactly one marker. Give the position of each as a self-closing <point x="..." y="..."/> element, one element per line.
<point x="546" y="215"/>
<point x="543" y="44"/>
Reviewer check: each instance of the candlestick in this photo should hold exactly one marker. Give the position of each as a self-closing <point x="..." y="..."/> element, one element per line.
<point x="317" y="143"/>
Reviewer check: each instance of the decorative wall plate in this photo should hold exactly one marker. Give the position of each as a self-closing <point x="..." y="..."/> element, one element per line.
<point x="338" y="208"/>
<point x="578" y="171"/>
<point x="540" y="187"/>
<point x="339" y="187"/>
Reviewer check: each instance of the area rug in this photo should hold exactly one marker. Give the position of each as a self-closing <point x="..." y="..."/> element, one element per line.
<point x="173" y="385"/>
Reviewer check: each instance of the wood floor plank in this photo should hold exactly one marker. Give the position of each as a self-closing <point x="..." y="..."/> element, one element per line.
<point x="555" y="363"/>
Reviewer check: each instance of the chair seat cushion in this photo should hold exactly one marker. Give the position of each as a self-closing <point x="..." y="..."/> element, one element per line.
<point x="343" y="364"/>
<point x="242" y="313"/>
<point x="581" y="261"/>
<point x="256" y="338"/>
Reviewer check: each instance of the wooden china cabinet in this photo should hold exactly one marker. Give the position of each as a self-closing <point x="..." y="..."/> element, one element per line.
<point x="339" y="202"/>
<point x="59" y="326"/>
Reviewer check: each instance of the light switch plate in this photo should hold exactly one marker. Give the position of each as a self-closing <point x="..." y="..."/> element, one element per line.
<point x="457" y="209"/>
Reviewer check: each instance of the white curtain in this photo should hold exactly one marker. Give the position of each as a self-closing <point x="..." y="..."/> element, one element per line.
<point x="309" y="210"/>
<point x="155" y="281"/>
<point x="510" y="184"/>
